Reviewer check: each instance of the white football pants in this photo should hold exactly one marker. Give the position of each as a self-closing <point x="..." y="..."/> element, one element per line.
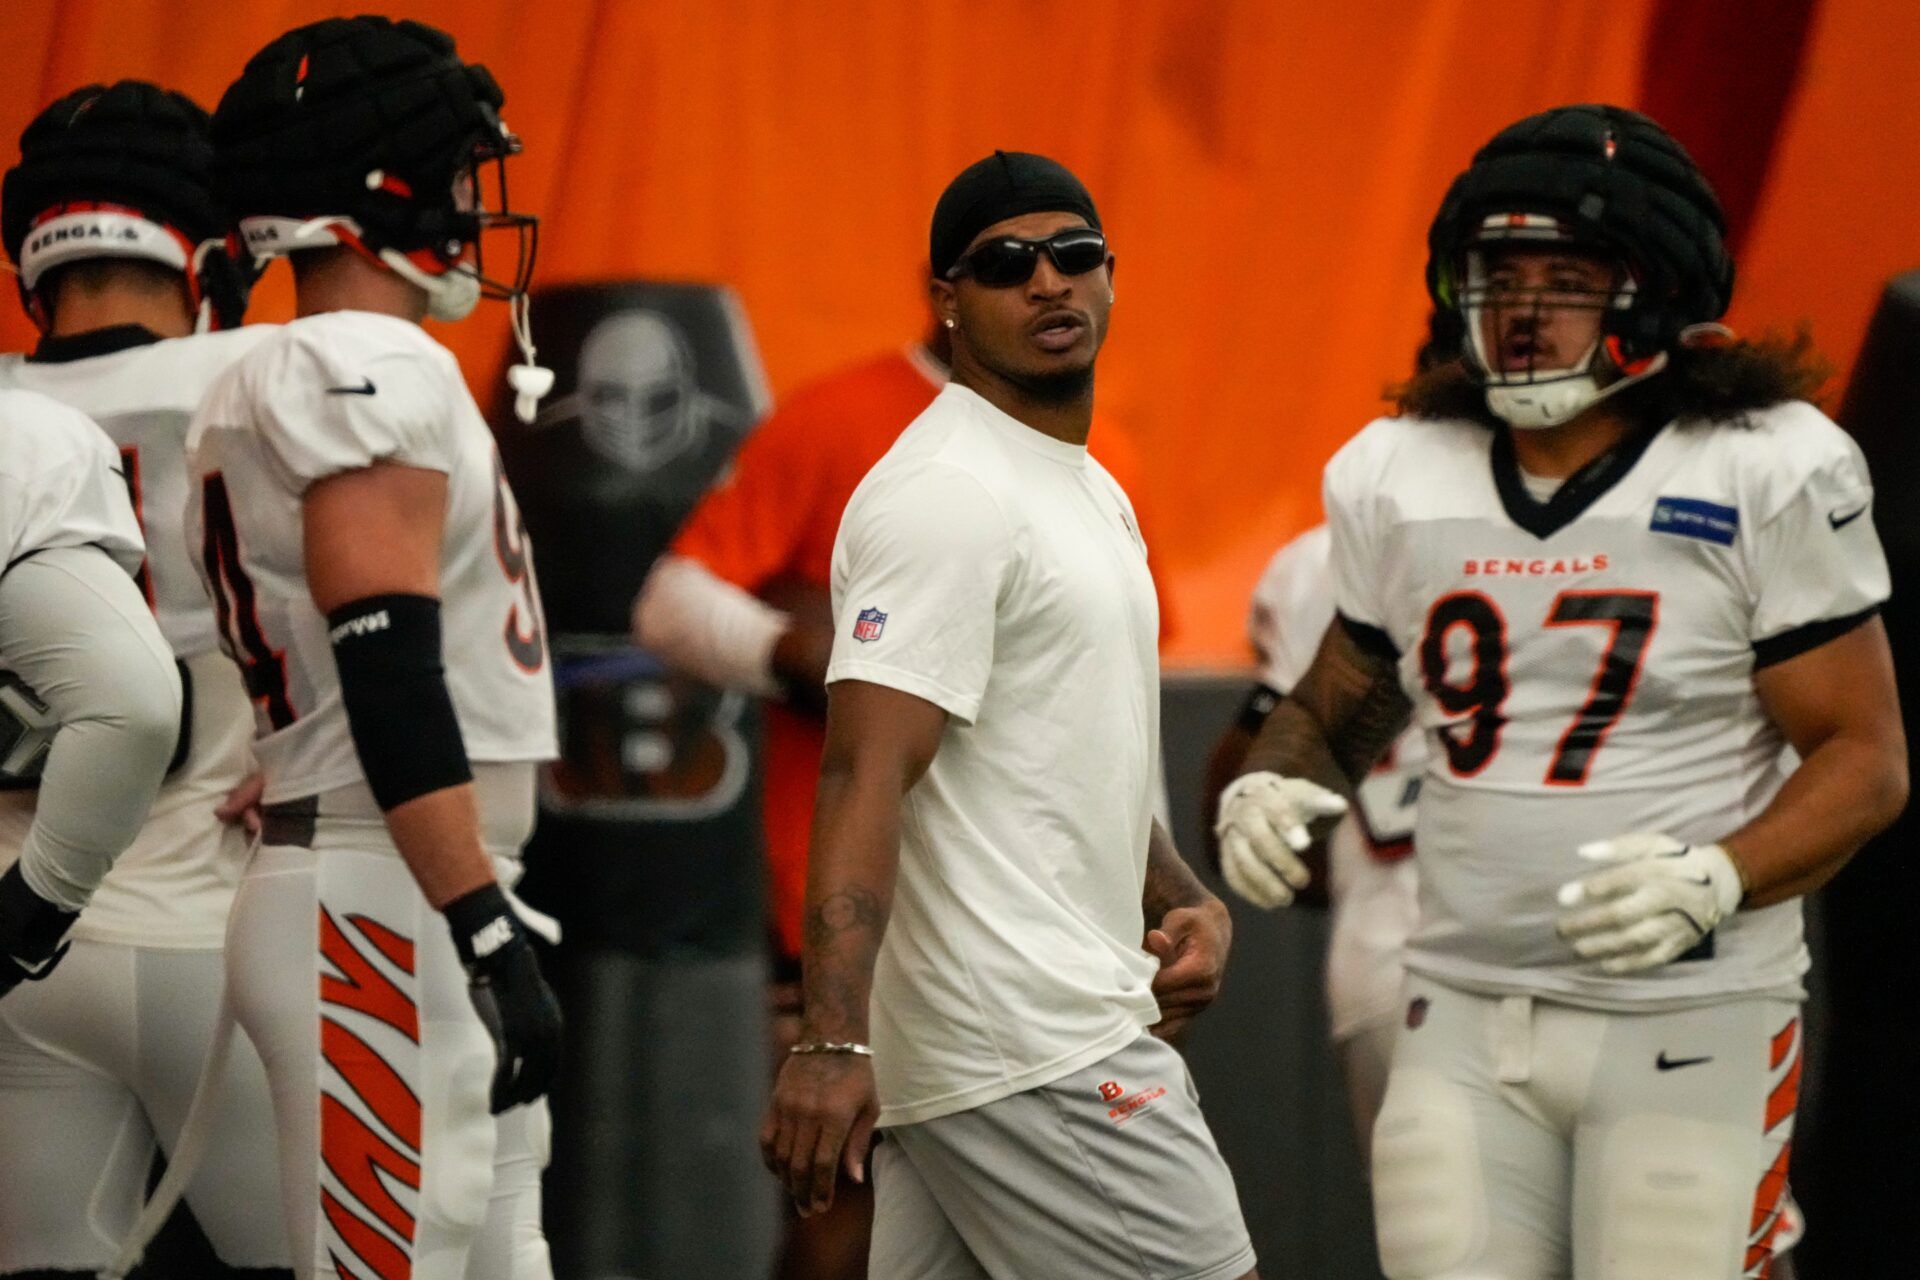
<point x="1524" y="1140"/>
<point x="390" y="1165"/>
<point x="98" y="1063"/>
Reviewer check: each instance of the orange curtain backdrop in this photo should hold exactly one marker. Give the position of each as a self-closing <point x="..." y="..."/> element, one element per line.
<point x="1841" y="210"/>
<point x="1266" y="169"/>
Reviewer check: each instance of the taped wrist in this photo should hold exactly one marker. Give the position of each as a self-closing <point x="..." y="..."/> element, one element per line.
<point x="483" y="925"/>
<point x="401" y="718"/>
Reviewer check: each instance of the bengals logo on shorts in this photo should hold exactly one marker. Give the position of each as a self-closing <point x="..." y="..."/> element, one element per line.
<point x="1110" y="1090"/>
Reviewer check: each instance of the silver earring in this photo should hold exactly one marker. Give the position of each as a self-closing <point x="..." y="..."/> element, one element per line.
<point x="949" y="322"/>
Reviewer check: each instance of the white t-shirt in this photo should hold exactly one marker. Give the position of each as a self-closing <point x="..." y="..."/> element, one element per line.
<point x="174" y="885"/>
<point x="336" y="392"/>
<point x="1370" y="867"/>
<point x="999" y="574"/>
<point x="1583" y="668"/>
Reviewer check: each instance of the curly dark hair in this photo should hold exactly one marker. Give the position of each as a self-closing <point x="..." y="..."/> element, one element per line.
<point x="1719" y="382"/>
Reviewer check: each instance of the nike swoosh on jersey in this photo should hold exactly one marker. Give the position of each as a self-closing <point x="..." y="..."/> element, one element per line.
<point x="1839" y="521"/>
<point x="366" y="390"/>
<point x="1664" y="1063"/>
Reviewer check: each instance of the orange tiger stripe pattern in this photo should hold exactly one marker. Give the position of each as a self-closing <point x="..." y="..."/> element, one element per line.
<point x="370" y="1116"/>
<point x="1769" y="1197"/>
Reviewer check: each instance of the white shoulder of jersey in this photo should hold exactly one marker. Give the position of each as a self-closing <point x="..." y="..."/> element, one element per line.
<point x="1791" y="451"/>
<point x="1393" y="449"/>
<point x="340" y="391"/>
<point x="60" y="482"/>
<point x="1292" y="607"/>
<point x="168" y="374"/>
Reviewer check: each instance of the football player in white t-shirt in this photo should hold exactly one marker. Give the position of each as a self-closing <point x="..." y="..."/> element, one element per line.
<point x="372" y="578"/>
<point x="986" y="866"/>
<point x="129" y="266"/>
<point x="1613" y="564"/>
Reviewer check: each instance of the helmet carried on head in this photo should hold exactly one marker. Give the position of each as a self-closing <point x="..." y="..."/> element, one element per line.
<point x="1598" y="178"/>
<point x="374" y="134"/>
<point x="123" y="171"/>
<point x="369" y="132"/>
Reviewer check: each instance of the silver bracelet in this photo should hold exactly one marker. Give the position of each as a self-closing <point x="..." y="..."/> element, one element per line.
<point x="832" y="1046"/>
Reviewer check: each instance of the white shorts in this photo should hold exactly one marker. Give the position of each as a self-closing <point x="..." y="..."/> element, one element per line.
<point x="1524" y="1140"/>
<point x="1109" y="1173"/>
<point x="390" y="1165"/>
<point x="98" y="1063"/>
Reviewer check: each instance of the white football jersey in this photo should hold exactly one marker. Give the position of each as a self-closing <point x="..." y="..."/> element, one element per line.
<point x="1583" y="667"/>
<point x="173" y="886"/>
<point x="142" y="395"/>
<point x="60" y="484"/>
<point x="1370" y="870"/>
<point x="337" y="392"/>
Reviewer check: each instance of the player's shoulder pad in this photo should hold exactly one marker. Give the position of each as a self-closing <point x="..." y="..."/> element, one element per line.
<point x="1304" y="559"/>
<point x="342" y="389"/>
<point x="1390" y="440"/>
<point x="221" y="346"/>
<point x="1298" y="575"/>
<point x="1790" y="451"/>
<point x="39" y="434"/>
<point x="338" y="347"/>
<point x="1389" y="447"/>
<point x="173" y="373"/>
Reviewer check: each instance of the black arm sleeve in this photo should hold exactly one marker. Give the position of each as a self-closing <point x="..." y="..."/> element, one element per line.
<point x="387" y="650"/>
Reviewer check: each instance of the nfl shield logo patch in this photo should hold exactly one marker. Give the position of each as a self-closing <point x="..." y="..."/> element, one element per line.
<point x="869" y="625"/>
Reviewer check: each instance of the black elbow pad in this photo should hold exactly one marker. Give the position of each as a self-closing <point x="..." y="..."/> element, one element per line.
<point x="387" y="650"/>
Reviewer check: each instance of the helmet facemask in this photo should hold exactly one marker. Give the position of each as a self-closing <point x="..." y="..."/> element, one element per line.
<point x="454" y="273"/>
<point x="1526" y="344"/>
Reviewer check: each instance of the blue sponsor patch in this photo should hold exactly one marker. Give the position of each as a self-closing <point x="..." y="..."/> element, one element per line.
<point x="1696" y="518"/>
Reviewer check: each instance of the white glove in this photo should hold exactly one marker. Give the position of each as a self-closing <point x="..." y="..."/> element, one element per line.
<point x="1656" y="901"/>
<point x="1262" y="830"/>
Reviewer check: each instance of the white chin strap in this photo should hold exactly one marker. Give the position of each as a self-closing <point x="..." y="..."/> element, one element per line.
<point x="451" y="295"/>
<point x="1529" y="406"/>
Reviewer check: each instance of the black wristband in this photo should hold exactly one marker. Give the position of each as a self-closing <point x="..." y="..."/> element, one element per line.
<point x="399" y="713"/>
<point x="30" y="926"/>
<point x="1261" y="700"/>
<point x="483" y="924"/>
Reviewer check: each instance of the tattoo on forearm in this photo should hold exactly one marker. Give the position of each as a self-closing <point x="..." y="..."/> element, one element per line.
<point x="1338" y="720"/>
<point x="1370" y="727"/>
<point x="842" y="936"/>
<point x="854" y="908"/>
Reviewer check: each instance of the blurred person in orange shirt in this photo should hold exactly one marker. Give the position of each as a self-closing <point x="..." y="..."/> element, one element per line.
<point x="740" y="600"/>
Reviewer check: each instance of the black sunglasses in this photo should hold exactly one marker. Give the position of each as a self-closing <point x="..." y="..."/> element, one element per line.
<point x="1009" y="260"/>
